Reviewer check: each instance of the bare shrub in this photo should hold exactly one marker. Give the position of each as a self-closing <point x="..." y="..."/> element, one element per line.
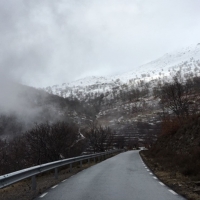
<point x="44" y="143"/>
<point x="99" y="138"/>
<point x="47" y="142"/>
<point x="175" y="98"/>
<point x="170" y="125"/>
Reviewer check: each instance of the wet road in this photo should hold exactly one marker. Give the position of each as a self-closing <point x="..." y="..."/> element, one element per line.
<point x="121" y="177"/>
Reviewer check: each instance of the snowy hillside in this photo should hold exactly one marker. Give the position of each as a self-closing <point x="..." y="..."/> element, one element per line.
<point x="163" y="66"/>
<point x="186" y="60"/>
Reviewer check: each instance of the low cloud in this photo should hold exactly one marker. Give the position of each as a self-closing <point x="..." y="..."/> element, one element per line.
<point x="49" y="42"/>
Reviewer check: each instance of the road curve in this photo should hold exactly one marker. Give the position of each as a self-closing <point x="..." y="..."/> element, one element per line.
<point x="122" y="177"/>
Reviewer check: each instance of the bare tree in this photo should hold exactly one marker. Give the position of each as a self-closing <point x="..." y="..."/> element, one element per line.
<point x="51" y="142"/>
<point x="175" y="98"/>
<point x="119" y="141"/>
<point x="100" y="138"/>
<point x="4" y="161"/>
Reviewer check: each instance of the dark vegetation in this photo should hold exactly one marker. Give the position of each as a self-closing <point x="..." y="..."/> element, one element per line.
<point x="177" y="149"/>
<point x="180" y="151"/>
<point x="46" y="129"/>
<point x="50" y="142"/>
<point x="44" y="143"/>
<point x="175" y="157"/>
<point x="99" y="138"/>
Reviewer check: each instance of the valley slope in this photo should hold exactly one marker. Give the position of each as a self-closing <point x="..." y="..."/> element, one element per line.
<point x="128" y="102"/>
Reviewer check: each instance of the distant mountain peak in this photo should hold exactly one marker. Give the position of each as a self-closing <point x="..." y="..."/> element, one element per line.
<point x="185" y="59"/>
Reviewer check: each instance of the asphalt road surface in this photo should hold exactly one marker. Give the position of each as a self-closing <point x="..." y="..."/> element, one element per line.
<point x="122" y="177"/>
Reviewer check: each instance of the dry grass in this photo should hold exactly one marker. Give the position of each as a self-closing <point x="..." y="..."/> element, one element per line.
<point x="172" y="176"/>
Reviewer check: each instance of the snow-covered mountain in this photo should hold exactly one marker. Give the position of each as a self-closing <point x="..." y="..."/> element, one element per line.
<point x="186" y="61"/>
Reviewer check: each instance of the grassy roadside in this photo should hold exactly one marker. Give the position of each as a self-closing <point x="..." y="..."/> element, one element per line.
<point x="183" y="185"/>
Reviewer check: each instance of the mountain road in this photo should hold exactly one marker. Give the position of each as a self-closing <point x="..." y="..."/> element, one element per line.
<point x="123" y="176"/>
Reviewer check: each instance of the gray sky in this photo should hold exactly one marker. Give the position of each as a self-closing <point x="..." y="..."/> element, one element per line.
<point x="47" y="42"/>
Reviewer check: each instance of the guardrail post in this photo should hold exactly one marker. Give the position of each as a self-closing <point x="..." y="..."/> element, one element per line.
<point x="33" y="183"/>
<point x="81" y="164"/>
<point x="70" y="167"/>
<point x="32" y="172"/>
<point x="56" y="173"/>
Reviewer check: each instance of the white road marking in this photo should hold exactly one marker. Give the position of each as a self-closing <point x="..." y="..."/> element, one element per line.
<point x="161" y="184"/>
<point x="63" y="181"/>
<point x="43" y="195"/>
<point x="150" y="173"/>
<point x="145" y="167"/>
<point x="173" y="192"/>
<point x="54" y="186"/>
<point x="154" y="177"/>
<point x="148" y="170"/>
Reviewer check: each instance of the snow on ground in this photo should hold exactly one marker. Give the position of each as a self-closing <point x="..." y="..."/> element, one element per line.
<point x="163" y="64"/>
<point x="186" y="60"/>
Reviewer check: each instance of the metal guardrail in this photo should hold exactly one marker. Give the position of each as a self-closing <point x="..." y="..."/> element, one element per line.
<point x="11" y="178"/>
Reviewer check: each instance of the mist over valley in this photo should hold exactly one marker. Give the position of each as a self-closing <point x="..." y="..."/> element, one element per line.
<point x="89" y="76"/>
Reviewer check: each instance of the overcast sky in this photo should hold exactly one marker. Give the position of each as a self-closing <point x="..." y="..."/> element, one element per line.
<point x="47" y="42"/>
